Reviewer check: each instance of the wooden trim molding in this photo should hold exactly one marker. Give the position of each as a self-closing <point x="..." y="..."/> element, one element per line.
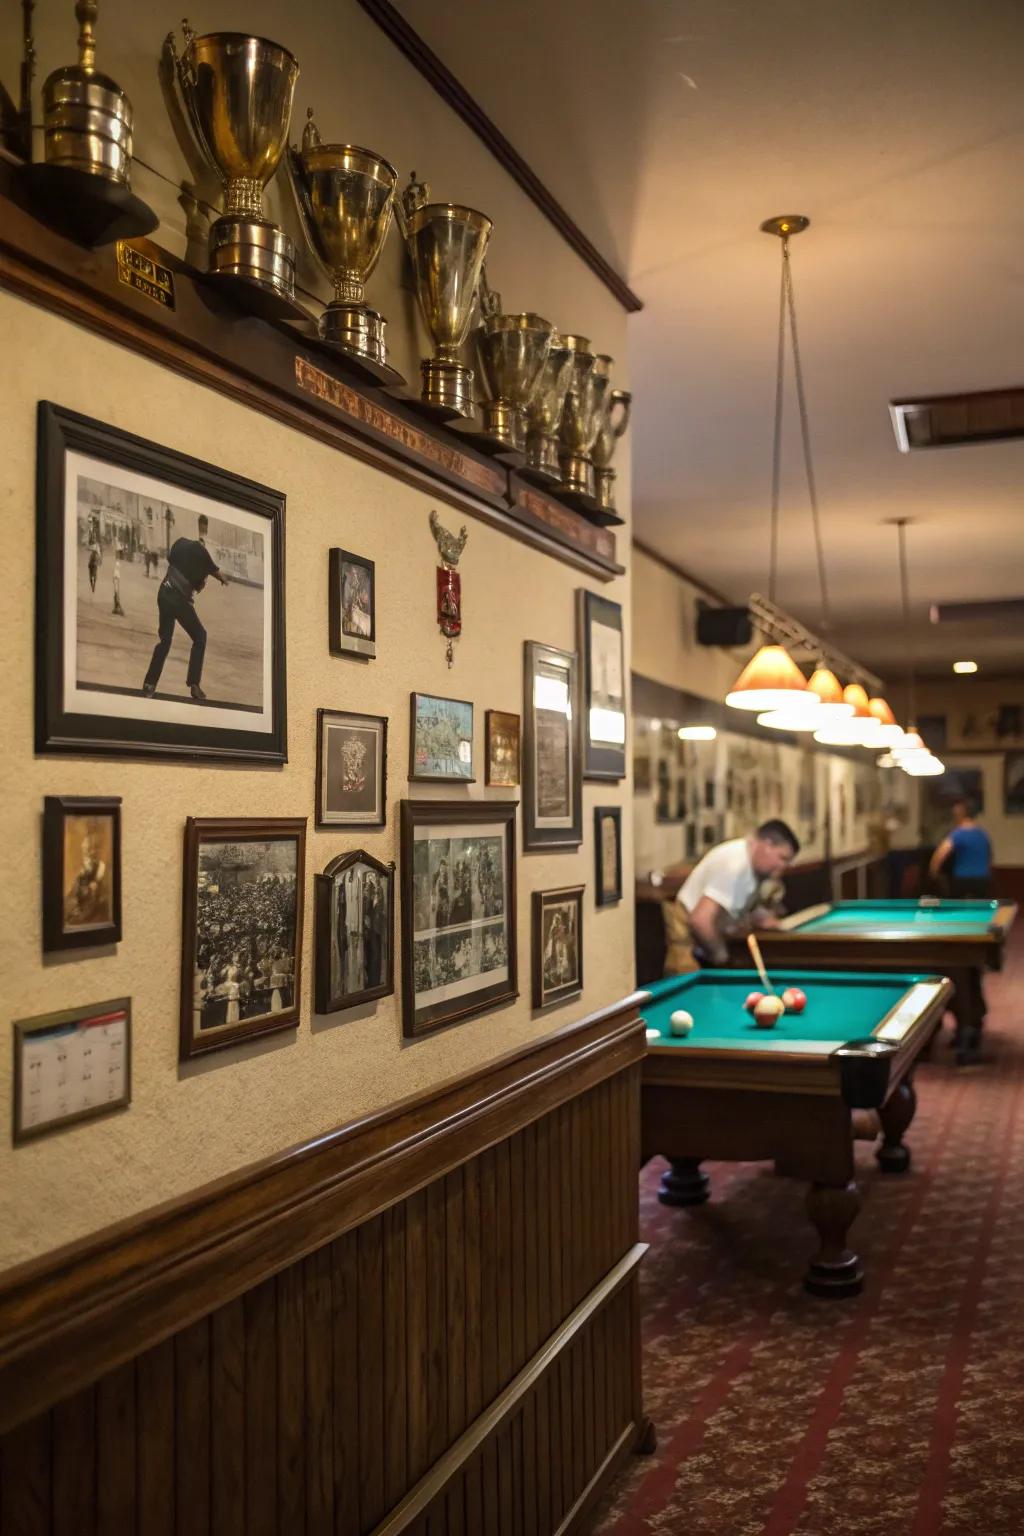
<point x="423" y="58"/>
<point x="71" y="1316"/>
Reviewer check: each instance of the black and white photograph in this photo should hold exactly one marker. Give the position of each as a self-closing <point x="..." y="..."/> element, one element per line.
<point x="557" y="942"/>
<point x="355" y="921"/>
<point x="607" y="855"/>
<point x="351" y="769"/>
<point x="352" y="605"/>
<point x="81" y="871"/>
<point x="242" y="939"/>
<point x="160" y="588"/>
<point x="603" y="686"/>
<point x="458" y="910"/>
<point x="552" y="788"/>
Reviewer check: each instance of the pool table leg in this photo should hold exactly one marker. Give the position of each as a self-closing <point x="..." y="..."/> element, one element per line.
<point x="683" y="1183"/>
<point x="835" y="1270"/>
<point x="969" y="1012"/>
<point x="896" y="1115"/>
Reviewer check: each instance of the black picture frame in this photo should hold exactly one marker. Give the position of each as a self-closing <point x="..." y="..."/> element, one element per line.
<point x="58" y="934"/>
<point x="545" y="995"/>
<point x="607" y="894"/>
<point x="602" y="758"/>
<point x="134" y="729"/>
<point x="65" y="1025"/>
<point x="237" y="831"/>
<point x="342" y="643"/>
<point x="417" y="775"/>
<point x="422" y="816"/>
<point x="558" y="668"/>
<point x="326" y="720"/>
<point x="326" y="997"/>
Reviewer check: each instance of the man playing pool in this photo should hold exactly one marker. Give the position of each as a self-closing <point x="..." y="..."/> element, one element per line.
<point x="724" y="887"/>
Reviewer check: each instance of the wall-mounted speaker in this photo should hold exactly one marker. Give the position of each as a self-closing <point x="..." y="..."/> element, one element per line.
<point x="724" y="626"/>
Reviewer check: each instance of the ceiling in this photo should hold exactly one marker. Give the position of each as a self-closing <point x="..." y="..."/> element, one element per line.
<point x="669" y="129"/>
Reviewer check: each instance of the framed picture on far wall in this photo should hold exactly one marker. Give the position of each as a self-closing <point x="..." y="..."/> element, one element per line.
<point x="159" y="600"/>
<point x="355" y="931"/>
<point x="1013" y="784"/>
<point x="458" y="911"/>
<point x="603" y="686"/>
<point x="557" y="943"/>
<point x="81" y="872"/>
<point x="351" y="769"/>
<point x="241" y="953"/>
<point x="440" y="739"/>
<point x="607" y="855"/>
<point x="501" y="749"/>
<point x="552" y="790"/>
<point x="352" y="605"/>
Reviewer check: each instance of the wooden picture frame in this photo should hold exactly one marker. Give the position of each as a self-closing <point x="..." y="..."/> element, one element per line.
<point x="251" y="984"/>
<point x="110" y="508"/>
<point x="373" y="953"/>
<point x="353" y="621"/>
<point x="65" y="1073"/>
<point x="426" y="763"/>
<point x="603" y="703"/>
<point x="340" y="766"/>
<point x="502" y="742"/>
<point x="81" y="910"/>
<point x="557" y="960"/>
<point x="458" y="913"/>
<point x="552" y="780"/>
<point x="607" y="859"/>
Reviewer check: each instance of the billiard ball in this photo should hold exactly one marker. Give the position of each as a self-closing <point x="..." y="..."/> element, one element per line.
<point x="768" y="1011"/>
<point x="681" y="1022"/>
<point x="753" y="998"/>
<point x="794" y="999"/>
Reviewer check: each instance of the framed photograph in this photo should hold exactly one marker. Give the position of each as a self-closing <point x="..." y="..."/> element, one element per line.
<point x="1013" y="784"/>
<point x="501" y="749"/>
<point x="607" y="855"/>
<point x="440" y="740"/>
<point x="557" y="945"/>
<point x="81" y="871"/>
<point x="603" y="665"/>
<point x="552" y="789"/>
<point x="458" y="911"/>
<point x="355" y="931"/>
<point x="159" y="599"/>
<point x="241" y="947"/>
<point x="353" y="605"/>
<point x="71" y="1066"/>
<point x="351" y="769"/>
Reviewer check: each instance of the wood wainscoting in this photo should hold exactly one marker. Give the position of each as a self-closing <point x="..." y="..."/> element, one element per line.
<point x="425" y="1322"/>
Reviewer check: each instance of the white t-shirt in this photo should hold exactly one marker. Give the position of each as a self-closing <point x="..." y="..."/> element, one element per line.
<point x="724" y="874"/>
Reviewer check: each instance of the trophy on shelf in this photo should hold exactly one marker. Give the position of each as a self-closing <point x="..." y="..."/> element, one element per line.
<point x="82" y="187"/>
<point x="238" y="94"/>
<point x="345" y="196"/>
<point x="447" y="244"/>
<point x="581" y="417"/>
<point x="603" y="451"/>
<point x="513" y="351"/>
<point x="544" y="413"/>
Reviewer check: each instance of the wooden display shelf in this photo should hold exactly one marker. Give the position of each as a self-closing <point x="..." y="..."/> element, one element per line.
<point x="183" y="322"/>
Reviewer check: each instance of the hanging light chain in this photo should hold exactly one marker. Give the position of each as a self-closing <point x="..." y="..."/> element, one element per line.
<point x="805" y="436"/>
<point x="780" y="370"/>
<point x="901" y="534"/>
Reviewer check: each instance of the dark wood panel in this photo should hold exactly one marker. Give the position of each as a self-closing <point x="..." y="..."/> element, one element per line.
<point x="155" y="1390"/>
<point x="345" y="1334"/>
<point x="227" y="1410"/>
<point x="74" y="1466"/>
<point x="115" y="1452"/>
<point x="261" y="1409"/>
<point x="291" y="1399"/>
<point x="192" y="1430"/>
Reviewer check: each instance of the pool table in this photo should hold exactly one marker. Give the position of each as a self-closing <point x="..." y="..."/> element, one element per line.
<point x="794" y="1093"/>
<point x="958" y="939"/>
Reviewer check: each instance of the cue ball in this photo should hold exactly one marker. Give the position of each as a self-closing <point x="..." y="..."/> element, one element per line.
<point x="681" y="1022"/>
<point x="794" y="999"/>
<point x="753" y="998"/>
<point x="768" y="1011"/>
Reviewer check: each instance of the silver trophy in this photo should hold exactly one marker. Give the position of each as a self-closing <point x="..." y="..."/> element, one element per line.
<point x="611" y="429"/>
<point x="581" y="416"/>
<point x="544" y="412"/>
<point x="513" y="351"/>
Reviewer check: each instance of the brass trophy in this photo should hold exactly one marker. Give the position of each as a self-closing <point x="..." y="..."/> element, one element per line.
<point x="581" y="416"/>
<point x="603" y="451"/>
<point x="447" y="245"/>
<point x="513" y="351"/>
<point x="345" y="197"/>
<point x="544" y="412"/>
<point x="238" y="94"/>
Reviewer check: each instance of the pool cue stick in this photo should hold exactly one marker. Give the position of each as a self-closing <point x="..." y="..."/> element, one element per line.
<point x="755" y="950"/>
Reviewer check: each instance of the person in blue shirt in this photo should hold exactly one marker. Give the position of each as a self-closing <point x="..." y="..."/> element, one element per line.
<point x="965" y="854"/>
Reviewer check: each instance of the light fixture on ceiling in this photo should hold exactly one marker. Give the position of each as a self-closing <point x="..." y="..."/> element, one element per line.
<point x="963" y="668"/>
<point x="771" y="679"/>
<point x="828" y="690"/>
<point x="911" y="753"/>
<point x="696" y="733"/>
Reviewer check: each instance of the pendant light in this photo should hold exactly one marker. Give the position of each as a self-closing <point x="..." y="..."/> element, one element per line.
<point x="911" y="753"/>
<point x="828" y="690"/>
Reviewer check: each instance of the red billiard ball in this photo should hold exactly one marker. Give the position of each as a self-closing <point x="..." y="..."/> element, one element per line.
<point x="753" y="998"/>
<point x="794" y="999"/>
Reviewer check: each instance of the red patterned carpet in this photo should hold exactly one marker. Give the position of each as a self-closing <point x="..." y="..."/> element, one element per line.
<point x="898" y="1413"/>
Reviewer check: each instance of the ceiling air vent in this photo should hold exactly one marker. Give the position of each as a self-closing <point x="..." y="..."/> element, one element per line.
<point x="944" y="421"/>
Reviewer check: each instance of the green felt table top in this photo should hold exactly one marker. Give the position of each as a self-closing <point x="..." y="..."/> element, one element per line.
<point x="841" y="1006"/>
<point x="919" y="918"/>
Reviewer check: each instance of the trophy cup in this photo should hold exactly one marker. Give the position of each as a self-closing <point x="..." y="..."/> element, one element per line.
<point x="544" y="412"/>
<point x="446" y="244"/>
<point x="603" y="451"/>
<point x="345" y="197"/>
<point x="581" y="416"/>
<point x="238" y="94"/>
<point x="513" y="351"/>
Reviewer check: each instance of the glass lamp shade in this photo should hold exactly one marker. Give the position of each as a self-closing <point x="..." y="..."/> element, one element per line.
<point x="922" y="765"/>
<point x="856" y="697"/>
<point x="801" y="717"/>
<point x="824" y="683"/>
<point x="841" y="733"/>
<point x="910" y="746"/>
<point x="770" y="680"/>
<point x="881" y="730"/>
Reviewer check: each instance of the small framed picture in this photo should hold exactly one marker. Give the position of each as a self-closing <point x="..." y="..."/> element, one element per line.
<point x="557" y="945"/>
<point x="71" y="1066"/>
<point x="352" y="605"/>
<point x="351" y="769"/>
<point x="608" y="854"/>
<point x="241" y="930"/>
<point x="355" y="928"/>
<point x="603" y="685"/>
<point x="501" y="749"/>
<point x="552" y="792"/>
<point x="81" y="871"/>
<point x="440" y="739"/>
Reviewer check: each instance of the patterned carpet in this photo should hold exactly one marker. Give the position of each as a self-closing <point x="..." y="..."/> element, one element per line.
<point x="897" y="1413"/>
